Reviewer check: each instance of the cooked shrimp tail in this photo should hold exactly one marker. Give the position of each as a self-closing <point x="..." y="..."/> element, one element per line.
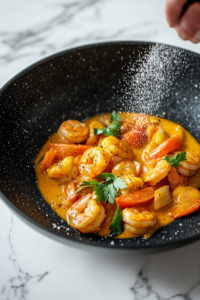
<point x="72" y="131"/>
<point x="86" y="214"/>
<point x="138" y="219"/>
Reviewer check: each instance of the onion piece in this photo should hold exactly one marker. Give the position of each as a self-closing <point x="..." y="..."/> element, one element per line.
<point x="162" y="197"/>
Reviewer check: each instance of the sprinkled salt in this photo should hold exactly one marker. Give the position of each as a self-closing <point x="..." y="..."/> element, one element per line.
<point x="150" y="79"/>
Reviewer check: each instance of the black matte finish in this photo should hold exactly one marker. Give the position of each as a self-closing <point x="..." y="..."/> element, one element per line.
<point x="77" y="84"/>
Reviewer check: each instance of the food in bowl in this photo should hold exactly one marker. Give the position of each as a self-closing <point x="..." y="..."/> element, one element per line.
<point x="122" y="174"/>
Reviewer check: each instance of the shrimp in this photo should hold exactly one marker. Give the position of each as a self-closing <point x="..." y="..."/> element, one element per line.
<point x="133" y="120"/>
<point x="113" y="162"/>
<point x="64" y="171"/>
<point x="138" y="219"/>
<point x="117" y="147"/>
<point x="116" y="160"/>
<point x="77" y="184"/>
<point x="65" y="202"/>
<point x="77" y="159"/>
<point x="128" y="125"/>
<point x="155" y="171"/>
<point x="176" y="179"/>
<point x="129" y="122"/>
<point x="126" y="167"/>
<point x="149" y="124"/>
<point x="133" y="184"/>
<point x="190" y="166"/>
<point x="142" y="131"/>
<point x="105" y="119"/>
<point x="72" y="131"/>
<point x="86" y="214"/>
<point x="93" y="162"/>
<point x="93" y="139"/>
<point x="127" y="171"/>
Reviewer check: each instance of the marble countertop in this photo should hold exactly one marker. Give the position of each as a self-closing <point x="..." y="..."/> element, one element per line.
<point x="31" y="265"/>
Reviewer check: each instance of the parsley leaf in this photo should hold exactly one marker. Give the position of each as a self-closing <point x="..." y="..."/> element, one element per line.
<point x="106" y="190"/>
<point x="98" y="192"/>
<point x="117" y="224"/>
<point x="116" y="123"/>
<point x="109" y="193"/>
<point x="106" y="131"/>
<point x="111" y="187"/>
<point x="83" y="187"/>
<point x="113" y="128"/>
<point x="115" y="117"/>
<point x="176" y="159"/>
<point x="86" y="184"/>
<point x="119" y="183"/>
<point x="93" y="181"/>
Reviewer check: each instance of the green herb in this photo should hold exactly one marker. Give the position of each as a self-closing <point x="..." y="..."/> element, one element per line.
<point x="176" y="159"/>
<point x="113" y="128"/>
<point x="106" y="190"/>
<point x="112" y="185"/>
<point x="117" y="224"/>
<point x="95" y="184"/>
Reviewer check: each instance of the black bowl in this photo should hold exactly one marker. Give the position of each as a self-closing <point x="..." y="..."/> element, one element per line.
<point x="76" y="84"/>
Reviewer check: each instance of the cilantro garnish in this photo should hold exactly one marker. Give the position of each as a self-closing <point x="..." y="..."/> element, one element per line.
<point x="112" y="185"/>
<point x="117" y="224"/>
<point x="113" y="128"/>
<point x="106" y="190"/>
<point x="176" y="159"/>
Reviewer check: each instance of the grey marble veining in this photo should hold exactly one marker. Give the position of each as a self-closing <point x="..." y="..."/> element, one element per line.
<point x="38" y="39"/>
<point x="142" y="289"/>
<point x="20" y="284"/>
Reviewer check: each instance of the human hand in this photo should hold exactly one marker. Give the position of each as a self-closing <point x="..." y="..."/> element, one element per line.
<point x="186" y="25"/>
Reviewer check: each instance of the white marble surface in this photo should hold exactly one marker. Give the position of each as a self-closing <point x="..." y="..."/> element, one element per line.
<point x="31" y="265"/>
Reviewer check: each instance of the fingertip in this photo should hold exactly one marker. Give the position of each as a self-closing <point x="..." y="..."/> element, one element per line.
<point x="197" y="35"/>
<point x="169" y="12"/>
<point x="194" y="40"/>
<point x="183" y="30"/>
<point x="173" y="9"/>
<point x="189" y="23"/>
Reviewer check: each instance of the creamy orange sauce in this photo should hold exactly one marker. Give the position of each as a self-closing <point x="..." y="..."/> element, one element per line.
<point x="51" y="189"/>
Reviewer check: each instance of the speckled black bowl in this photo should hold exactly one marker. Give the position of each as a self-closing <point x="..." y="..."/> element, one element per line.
<point x="76" y="84"/>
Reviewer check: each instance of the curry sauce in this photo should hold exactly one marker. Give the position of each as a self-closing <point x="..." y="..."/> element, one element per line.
<point x="52" y="190"/>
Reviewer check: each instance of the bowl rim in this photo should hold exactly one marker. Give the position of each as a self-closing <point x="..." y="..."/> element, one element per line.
<point x="58" y="53"/>
<point x="67" y="240"/>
